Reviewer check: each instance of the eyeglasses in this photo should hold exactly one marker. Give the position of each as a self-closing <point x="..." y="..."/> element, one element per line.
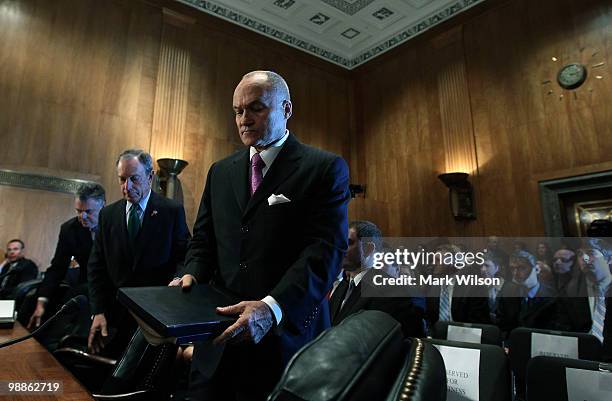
<point x="563" y="260"/>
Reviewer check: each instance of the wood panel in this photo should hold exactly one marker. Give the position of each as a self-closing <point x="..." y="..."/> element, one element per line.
<point x="439" y="102"/>
<point x="33" y="216"/>
<point x="82" y="80"/>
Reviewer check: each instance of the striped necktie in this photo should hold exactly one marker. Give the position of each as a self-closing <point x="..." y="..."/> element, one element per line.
<point x="598" y="318"/>
<point x="444" y="315"/>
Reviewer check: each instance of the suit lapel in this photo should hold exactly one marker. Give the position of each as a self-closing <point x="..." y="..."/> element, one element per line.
<point x="351" y="304"/>
<point x="336" y="299"/>
<point x="239" y="177"/>
<point x="119" y="216"/>
<point x="284" y="165"/>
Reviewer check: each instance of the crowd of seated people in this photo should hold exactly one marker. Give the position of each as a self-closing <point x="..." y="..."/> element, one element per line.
<point x="567" y="288"/>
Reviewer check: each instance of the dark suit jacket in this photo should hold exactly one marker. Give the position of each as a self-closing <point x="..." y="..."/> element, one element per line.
<point x="152" y="260"/>
<point x="403" y="310"/>
<point x="469" y="305"/>
<point x="607" y="334"/>
<point x="573" y="306"/>
<point x="538" y="313"/>
<point x="291" y="251"/>
<point x="74" y="240"/>
<point x="575" y="312"/>
<point x="23" y="270"/>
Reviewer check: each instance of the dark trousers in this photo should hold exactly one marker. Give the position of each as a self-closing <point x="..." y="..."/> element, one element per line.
<point x="235" y="372"/>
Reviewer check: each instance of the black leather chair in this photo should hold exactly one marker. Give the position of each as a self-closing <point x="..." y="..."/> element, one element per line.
<point x="364" y="358"/>
<point x="490" y="334"/>
<point x="542" y="371"/>
<point x="144" y="371"/>
<point x="494" y="369"/>
<point x="520" y="351"/>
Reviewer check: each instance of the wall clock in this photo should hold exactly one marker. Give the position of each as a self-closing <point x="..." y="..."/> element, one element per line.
<point x="571" y="76"/>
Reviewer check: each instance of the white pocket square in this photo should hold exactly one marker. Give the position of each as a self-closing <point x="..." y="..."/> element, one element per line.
<point x="277" y="199"/>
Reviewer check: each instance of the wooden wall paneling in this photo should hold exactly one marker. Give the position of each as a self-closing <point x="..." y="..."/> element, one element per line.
<point x="35" y="217"/>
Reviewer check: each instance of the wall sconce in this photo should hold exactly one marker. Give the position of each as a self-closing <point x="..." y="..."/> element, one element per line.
<point x="170" y="185"/>
<point x="460" y="195"/>
<point x="356" y="189"/>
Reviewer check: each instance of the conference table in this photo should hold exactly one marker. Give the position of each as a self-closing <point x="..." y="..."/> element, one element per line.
<point x="28" y="362"/>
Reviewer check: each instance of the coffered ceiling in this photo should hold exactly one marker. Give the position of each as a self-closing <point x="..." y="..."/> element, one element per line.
<point x="344" y="32"/>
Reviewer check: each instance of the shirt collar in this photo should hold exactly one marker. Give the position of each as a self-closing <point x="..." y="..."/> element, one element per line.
<point x="533" y="290"/>
<point x="268" y="155"/>
<point x="359" y="276"/>
<point x="142" y="203"/>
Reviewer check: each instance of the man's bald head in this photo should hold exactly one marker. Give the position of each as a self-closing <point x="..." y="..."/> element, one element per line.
<point x="269" y="80"/>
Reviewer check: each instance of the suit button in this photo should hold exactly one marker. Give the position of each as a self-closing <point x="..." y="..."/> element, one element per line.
<point x="243" y="266"/>
<point x="244" y="229"/>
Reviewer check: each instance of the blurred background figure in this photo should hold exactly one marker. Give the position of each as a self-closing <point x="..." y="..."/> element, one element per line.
<point x="15" y="269"/>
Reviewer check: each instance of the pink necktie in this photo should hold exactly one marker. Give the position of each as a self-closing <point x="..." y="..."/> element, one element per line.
<point x="257" y="165"/>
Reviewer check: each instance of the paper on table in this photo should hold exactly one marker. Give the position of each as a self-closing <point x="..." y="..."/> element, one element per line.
<point x="551" y="345"/>
<point x="588" y="385"/>
<point x="462" y="367"/>
<point x="465" y="334"/>
<point x="7" y="309"/>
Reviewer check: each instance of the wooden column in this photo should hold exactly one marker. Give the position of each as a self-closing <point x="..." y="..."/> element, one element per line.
<point x="171" y="93"/>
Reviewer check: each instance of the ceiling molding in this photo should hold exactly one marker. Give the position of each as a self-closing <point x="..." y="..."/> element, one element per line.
<point x="347" y="33"/>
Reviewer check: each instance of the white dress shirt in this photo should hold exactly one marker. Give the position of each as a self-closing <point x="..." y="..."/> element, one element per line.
<point x="268" y="156"/>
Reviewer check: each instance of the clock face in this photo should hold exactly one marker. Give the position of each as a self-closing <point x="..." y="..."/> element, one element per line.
<point x="571" y="76"/>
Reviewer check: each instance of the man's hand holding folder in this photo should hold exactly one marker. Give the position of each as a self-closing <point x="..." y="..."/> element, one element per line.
<point x="255" y="318"/>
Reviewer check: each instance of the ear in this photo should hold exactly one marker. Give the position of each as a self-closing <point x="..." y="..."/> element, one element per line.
<point x="287" y="109"/>
<point x="368" y="248"/>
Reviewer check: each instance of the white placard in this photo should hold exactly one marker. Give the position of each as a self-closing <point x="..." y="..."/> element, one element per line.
<point x="7" y="309"/>
<point x="551" y="345"/>
<point x="465" y="334"/>
<point x="588" y="385"/>
<point x="462" y="367"/>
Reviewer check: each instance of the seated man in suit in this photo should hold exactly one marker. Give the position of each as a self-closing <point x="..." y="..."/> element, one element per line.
<point x="364" y="238"/>
<point x="73" y="245"/>
<point x="455" y="303"/>
<point x="141" y="240"/>
<point x="525" y="301"/>
<point x="15" y="269"/>
<point x="583" y="305"/>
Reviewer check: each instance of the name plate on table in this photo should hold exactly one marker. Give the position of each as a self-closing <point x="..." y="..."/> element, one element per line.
<point x="551" y="345"/>
<point x="462" y="372"/>
<point x="588" y="385"/>
<point x="465" y="334"/>
<point x="171" y="313"/>
<point x="7" y="314"/>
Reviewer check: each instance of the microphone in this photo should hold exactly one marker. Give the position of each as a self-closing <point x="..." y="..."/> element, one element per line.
<point x="73" y="305"/>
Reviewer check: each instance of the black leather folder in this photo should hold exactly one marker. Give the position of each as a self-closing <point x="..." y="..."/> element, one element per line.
<point x="172" y="312"/>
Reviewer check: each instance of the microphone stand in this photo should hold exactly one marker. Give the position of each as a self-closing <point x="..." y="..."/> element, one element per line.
<point x="66" y="307"/>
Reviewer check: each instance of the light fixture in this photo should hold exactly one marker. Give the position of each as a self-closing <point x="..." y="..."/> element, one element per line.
<point x="460" y="195"/>
<point x="170" y="185"/>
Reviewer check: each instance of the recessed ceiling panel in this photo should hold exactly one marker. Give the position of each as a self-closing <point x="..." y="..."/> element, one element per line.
<point x="344" y="32"/>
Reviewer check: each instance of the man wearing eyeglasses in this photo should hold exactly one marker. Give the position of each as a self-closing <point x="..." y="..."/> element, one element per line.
<point x="564" y="266"/>
<point x="584" y="302"/>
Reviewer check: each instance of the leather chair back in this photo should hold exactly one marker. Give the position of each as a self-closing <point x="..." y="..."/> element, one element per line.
<point x="494" y="381"/>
